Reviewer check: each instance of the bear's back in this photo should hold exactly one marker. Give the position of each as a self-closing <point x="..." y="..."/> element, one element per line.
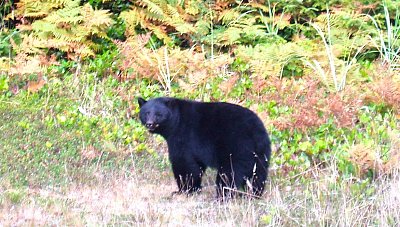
<point x="220" y="121"/>
<point x="222" y="114"/>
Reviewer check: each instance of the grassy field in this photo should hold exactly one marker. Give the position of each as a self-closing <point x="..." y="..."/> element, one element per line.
<point x="52" y="174"/>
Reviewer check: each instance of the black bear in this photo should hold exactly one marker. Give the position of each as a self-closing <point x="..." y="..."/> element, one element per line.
<point x="224" y="136"/>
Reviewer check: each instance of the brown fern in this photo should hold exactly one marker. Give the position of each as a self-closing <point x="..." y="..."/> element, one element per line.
<point x="189" y="68"/>
<point x="311" y="104"/>
<point x="386" y="90"/>
<point x="364" y="157"/>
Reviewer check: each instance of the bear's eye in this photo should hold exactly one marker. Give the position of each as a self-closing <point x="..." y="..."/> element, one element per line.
<point x="158" y="114"/>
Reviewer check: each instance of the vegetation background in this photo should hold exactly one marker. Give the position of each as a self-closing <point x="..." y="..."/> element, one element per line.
<point x="323" y="76"/>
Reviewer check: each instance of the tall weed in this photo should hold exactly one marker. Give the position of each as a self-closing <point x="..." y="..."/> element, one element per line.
<point x="338" y="70"/>
<point x="388" y="43"/>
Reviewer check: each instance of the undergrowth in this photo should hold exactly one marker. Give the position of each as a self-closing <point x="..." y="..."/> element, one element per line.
<point x="79" y="156"/>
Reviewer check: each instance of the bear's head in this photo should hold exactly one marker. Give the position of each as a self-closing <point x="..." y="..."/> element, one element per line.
<point x="156" y="115"/>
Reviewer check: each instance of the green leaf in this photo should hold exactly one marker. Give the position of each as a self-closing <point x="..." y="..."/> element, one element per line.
<point x="304" y="146"/>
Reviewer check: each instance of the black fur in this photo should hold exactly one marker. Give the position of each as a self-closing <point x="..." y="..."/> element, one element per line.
<point x="224" y="136"/>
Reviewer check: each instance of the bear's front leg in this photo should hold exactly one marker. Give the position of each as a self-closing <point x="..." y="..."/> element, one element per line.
<point x="188" y="175"/>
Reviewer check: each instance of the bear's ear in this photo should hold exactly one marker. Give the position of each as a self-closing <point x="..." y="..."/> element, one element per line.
<point x="141" y="101"/>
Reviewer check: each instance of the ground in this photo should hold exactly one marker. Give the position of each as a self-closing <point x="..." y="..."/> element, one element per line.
<point x="126" y="201"/>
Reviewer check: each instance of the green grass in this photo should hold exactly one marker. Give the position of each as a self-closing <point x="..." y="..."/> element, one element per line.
<point x="59" y="166"/>
<point x="30" y="146"/>
<point x="45" y="142"/>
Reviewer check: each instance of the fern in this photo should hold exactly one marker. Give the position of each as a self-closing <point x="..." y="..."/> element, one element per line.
<point x="266" y="60"/>
<point x="188" y="68"/>
<point x="228" y="15"/>
<point x="193" y="7"/>
<point x="238" y="26"/>
<point x="64" y="25"/>
<point x="39" y="9"/>
<point x="214" y="23"/>
<point x="149" y="14"/>
<point x="155" y="7"/>
<point x="227" y="36"/>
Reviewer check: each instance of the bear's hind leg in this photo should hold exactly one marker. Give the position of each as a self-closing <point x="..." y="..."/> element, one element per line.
<point x="257" y="184"/>
<point x="228" y="183"/>
<point x="223" y="184"/>
<point x="258" y="179"/>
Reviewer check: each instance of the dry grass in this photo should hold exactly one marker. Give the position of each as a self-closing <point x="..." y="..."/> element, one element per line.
<point x="120" y="199"/>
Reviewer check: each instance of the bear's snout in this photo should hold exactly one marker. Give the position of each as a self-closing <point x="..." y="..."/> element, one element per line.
<point x="151" y="126"/>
